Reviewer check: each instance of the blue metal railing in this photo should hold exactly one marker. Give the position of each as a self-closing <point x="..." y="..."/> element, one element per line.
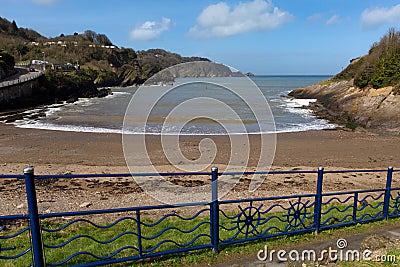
<point x="79" y="240"/>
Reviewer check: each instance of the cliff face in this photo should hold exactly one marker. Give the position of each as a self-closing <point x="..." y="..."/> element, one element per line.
<point x="375" y="109"/>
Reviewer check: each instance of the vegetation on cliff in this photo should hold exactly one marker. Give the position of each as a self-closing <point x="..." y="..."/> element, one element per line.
<point x="379" y="68"/>
<point x="15" y="33"/>
<point x="68" y="86"/>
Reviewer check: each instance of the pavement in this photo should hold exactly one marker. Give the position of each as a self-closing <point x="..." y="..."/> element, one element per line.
<point x="371" y="245"/>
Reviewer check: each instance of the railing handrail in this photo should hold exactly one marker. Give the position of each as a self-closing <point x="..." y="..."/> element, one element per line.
<point x="110" y="175"/>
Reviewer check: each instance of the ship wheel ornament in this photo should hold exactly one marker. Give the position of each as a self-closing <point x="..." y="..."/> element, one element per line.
<point x="249" y="219"/>
<point x="296" y="215"/>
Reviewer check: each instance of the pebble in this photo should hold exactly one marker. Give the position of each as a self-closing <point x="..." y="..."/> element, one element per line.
<point x="85" y="205"/>
<point x="20" y="206"/>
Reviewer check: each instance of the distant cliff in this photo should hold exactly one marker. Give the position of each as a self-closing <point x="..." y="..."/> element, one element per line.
<point x="192" y="70"/>
<point x="365" y="94"/>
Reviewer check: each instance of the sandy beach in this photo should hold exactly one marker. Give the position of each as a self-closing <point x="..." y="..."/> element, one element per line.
<point x="56" y="152"/>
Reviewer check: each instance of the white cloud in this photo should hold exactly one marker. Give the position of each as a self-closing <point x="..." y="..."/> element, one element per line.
<point x="372" y="18"/>
<point x="45" y="2"/>
<point x="329" y="18"/>
<point x="220" y="20"/>
<point x="150" y="30"/>
<point x="315" y="17"/>
<point x="335" y="19"/>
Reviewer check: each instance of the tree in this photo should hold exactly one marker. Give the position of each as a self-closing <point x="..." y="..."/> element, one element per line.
<point x="14" y="27"/>
<point x="7" y="59"/>
<point x="22" y="49"/>
<point x="103" y="39"/>
<point x="62" y="35"/>
<point x="90" y="35"/>
<point x="75" y="33"/>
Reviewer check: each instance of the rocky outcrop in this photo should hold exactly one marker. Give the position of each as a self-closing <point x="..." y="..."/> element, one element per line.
<point x="57" y="86"/>
<point x="375" y="109"/>
<point x="53" y="87"/>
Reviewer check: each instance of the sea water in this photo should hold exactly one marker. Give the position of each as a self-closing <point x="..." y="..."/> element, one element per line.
<point x="106" y="115"/>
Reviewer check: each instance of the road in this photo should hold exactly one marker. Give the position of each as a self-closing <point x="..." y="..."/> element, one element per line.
<point x="22" y="75"/>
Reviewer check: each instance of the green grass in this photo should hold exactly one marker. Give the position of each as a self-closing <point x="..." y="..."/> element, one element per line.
<point x="202" y="256"/>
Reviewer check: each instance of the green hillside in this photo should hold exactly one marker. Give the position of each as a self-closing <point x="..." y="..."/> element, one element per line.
<point x="105" y="62"/>
<point x="379" y="68"/>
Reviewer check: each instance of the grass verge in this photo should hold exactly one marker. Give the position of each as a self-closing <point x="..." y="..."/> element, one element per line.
<point x="196" y="230"/>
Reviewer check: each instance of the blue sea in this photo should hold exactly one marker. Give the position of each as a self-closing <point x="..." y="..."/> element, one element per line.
<point x="206" y="96"/>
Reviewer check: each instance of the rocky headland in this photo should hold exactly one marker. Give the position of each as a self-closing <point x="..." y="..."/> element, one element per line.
<point x="365" y="95"/>
<point x="344" y="103"/>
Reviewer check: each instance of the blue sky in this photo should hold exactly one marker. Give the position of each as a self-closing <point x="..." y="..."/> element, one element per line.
<point x="265" y="37"/>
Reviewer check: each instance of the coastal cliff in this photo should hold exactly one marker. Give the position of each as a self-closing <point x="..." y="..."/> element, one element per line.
<point x="344" y="103"/>
<point x="366" y="93"/>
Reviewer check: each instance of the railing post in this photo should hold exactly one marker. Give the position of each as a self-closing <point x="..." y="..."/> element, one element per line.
<point x="139" y="233"/>
<point x="355" y="207"/>
<point x="34" y="221"/>
<point x="318" y="200"/>
<point x="214" y="216"/>
<point x="387" y="193"/>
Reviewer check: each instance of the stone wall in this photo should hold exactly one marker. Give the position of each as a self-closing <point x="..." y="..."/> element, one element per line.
<point x="16" y="91"/>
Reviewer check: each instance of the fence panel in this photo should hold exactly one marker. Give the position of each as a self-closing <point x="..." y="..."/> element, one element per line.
<point x="15" y="241"/>
<point x="261" y="218"/>
<point x="86" y="238"/>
